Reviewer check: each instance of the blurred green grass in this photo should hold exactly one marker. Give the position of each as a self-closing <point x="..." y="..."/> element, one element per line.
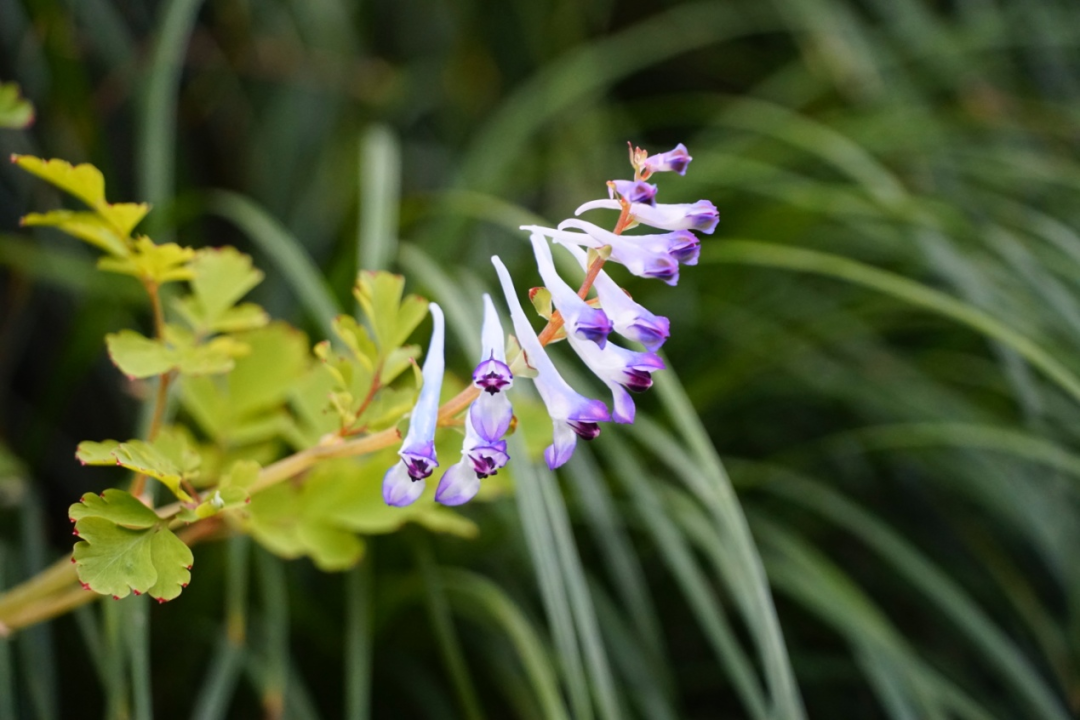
<point x="880" y="343"/>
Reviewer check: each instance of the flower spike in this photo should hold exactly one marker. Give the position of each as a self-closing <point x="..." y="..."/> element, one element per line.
<point x="404" y="482"/>
<point x="582" y="320"/>
<point x="573" y="415"/>
<point x="630" y="319"/>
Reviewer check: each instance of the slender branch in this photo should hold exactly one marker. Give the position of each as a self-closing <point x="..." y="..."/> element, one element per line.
<point x="161" y="399"/>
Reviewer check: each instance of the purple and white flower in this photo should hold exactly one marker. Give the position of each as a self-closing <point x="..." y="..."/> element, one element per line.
<point x="404" y="482"/>
<point x="649" y="256"/>
<point x="582" y="320"/>
<point x="674" y="160"/>
<point x="633" y="191"/>
<point x="573" y="415"/>
<point x="621" y="370"/>
<point x="490" y="414"/>
<point x="701" y="216"/>
<point x="459" y="484"/>
<point x="630" y="319"/>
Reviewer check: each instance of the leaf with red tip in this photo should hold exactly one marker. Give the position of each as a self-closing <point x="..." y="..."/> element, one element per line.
<point x="116" y="506"/>
<point x="128" y="549"/>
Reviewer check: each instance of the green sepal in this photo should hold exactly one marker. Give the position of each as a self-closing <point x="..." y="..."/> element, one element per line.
<point x="540" y="297"/>
<point x="594" y="254"/>
<point x="15" y="111"/>
<point x="516" y="359"/>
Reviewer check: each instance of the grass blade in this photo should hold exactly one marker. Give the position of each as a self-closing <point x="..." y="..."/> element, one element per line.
<point x="379" y="166"/>
<point x="359" y="638"/>
<point x="475" y="595"/>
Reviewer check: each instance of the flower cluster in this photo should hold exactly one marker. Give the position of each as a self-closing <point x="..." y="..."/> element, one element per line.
<point x="585" y="325"/>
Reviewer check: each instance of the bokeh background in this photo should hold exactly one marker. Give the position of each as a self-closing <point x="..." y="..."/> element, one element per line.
<point x="854" y="496"/>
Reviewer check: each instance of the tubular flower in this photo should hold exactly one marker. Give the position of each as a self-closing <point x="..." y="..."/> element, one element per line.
<point x="630" y="319"/>
<point x="633" y="191"/>
<point x="573" y="415"/>
<point x="488" y="418"/>
<point x="673" y="160"/>
<point x="404" y="482"/>
<point x="701" y="216"/>
<point x="621" y="370"/>
<point x="648" y="256"/>
<point x="491" y="413"/>
<point x="582" y="320"/>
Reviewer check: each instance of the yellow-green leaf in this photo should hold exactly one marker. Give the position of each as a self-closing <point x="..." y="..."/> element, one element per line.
<point x="159" y="264"/>
<point x="124" y="216"/>
<point x="84" y="225"/>
<point x="15" y="110"/>
<point x="220" y="277"/>
<point x="115" y="506"/>
<point x="83" y="181"/>
<point x="138" y="356"/>
<point x="115" y="560"/>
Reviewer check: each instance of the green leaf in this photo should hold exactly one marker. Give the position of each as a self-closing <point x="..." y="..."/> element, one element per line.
<point x="247" y="404"/>
<point x="87" y="226"/>
<point x="124" y="216"/>
<point x="116" y="506"/>
<point x="217" y="356"/>
<point x="142" y="457"/>
<point x="83" y="181"/>
<point x="138" y="356"/>
<point x="15" y="111"/>
<point x="221" y="276"/>
<point x="392" y="318"/>
<point x="357" y="339"/>
<point x="278" y="518"/>
<point x="149" y="262"/>
<point x="115" y="560"/>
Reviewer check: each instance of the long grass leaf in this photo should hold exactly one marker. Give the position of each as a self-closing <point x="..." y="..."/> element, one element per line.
<point x="596" y="659"/>
<point x="752" y="252"/>
<point x="476" y="595"/>
<point x="706" y="477"/>
<point x="359" y="638"/>
<point x="445" y="633"/>
<point x="156" y="154"/>
<point x="379" y="166"/>
<point x="938" y="587"/>
<point x="545" y="557"/>
<point x="680" y="561"/>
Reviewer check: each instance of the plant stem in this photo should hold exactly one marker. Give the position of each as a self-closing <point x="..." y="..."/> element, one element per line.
<point x="138" y="484"/>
